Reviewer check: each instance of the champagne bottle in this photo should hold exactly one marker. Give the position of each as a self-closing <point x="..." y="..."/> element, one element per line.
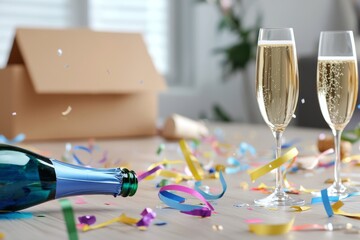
<point x="28" y="179"/>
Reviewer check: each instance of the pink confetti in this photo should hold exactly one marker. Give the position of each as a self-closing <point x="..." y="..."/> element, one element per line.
<point x="254" y="220"/>
<point x="80" y="200"/>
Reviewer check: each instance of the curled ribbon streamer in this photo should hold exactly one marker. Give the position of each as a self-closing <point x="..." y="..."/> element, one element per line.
<point x="191" y="161"/>
<point x="237" y="166"/>
<point x="163" y="162"/>
<point x="150" y="172"/>
<point x="168" y="198"/>
<point x="260" y="171"/>
<point x="18" y="138"/>
<point x="69" y="219"/>
<point x="245" y="147"/>
<point x="202" y="212"/>
<point x="76" y="158"/>
<point x="210" y="196"/>
<point x="326" y="202"/>
<point x="271" y="229"/>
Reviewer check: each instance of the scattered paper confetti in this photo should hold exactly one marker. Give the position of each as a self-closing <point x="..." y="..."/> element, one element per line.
<point x="303" y="100"/>
<point x="80" y="200"/>
<point x="254" y="220"/>
<point x="300" y="208"/>
<point x="217" y="227"/>
<point x="13" y="113"/>
<point x="87" y="219"/>
<point x="59" y="52"/>
<point x="17" y="139"/>
<point x="67" y="111"/>
<point x="69" y="219"/>
<point x="271" y="229"/>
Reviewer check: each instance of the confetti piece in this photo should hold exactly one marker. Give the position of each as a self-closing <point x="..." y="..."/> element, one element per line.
<point x="67" y="111"/>
<point x="2" y="236"/>
<point x="210" y="196"/>
<point x="303" y="100"/>
<point x="201" y="212"/>
<point x="87" y="219"/>
<point x="300" y="208"/>
<point x="271" y="229"/>
<point x="150" y="172"/>
<point x="294" y="116"/>
<point x="13" y="113"/>
<point x="160" y="223"/>
<point x="15" y="215"/>
<point x="336" y="208"/>
<point x="254" y="220"/>
<point x="17" y="139"/>
<point x="326" y="202"/>
<point x="175" y="201"/>
<point x="59" y="52"/>
<point x="160" y="149"/>
<point x="244" y="185"/>
<point x="191" y="161"/>
<point x="260" y="171"/>
<point x="80" y="200"/>
<point x="148" y="216"/>
<point x="217" y="227"/>
<point x="69" y="219"/>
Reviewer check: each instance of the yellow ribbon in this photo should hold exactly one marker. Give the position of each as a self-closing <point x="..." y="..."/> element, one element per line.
<point x="336" y="209"/>
<point x="351" y="158"/>
<point x="163" y="162"/>
<point x="271" y="229"/>
<point x="260" y="171"/>
<point x="191" y="160"/>
<point x="122" y="218"/>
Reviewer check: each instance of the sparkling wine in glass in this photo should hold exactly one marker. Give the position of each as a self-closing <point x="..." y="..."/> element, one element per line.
<point x="277" y="90"/>
<point x="337" y="89"/>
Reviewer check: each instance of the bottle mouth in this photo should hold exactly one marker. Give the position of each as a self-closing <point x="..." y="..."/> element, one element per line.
<point x="130" y="183"/>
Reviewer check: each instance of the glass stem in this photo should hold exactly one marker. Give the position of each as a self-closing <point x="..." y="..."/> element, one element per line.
<point x="279" y="176"/>
<point x="337" y="139"/>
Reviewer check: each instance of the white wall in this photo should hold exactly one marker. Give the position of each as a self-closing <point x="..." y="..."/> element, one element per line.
<point x="237" y="96"/>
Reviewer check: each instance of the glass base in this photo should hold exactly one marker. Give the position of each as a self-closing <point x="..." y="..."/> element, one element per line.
<point x="278" y="198"/>
<point x="340" y="190"/>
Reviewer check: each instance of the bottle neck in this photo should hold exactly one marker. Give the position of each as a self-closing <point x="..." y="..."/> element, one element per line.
<point x="78" y="180"/>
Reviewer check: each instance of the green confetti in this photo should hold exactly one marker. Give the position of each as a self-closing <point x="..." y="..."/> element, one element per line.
<point x="160" y="149"/>
<point x="69" y="219"/>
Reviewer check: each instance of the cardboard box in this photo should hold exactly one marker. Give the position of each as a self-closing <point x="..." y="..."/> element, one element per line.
<point x="107" y="80"/>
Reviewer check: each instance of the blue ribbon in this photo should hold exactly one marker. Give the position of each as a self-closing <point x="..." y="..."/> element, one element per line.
<point x="19" y="138"/>
<point x="210" y="196"/>
<point x="326" y="202"/>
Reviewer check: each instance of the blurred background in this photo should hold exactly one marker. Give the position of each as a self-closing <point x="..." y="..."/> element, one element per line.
<point x="204" y="49"/>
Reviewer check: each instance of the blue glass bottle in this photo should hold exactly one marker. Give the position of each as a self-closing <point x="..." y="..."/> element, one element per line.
<point x="28" y="179"/>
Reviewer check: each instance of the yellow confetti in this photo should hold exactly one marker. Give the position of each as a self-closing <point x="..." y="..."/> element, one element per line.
<point x="351" y="158"/>
<point x="272" y="208"/>
<point x="271" y="229"/>
<point x="336" y="209"/>
<point x="244" y="185"/>
<point x="191" y="160"/>
<point x="305" y="190"/>
<point x="123" y="219"/>
<point x="300" y="208"/>
<point x="2" y="236"/>
<point x="260" y="171"/>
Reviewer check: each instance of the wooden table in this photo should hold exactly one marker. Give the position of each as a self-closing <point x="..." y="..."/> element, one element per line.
<point x="47" y="221"/>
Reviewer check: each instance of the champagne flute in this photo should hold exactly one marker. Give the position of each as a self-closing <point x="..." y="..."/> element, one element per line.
<point x="277" y="90"/>
<point x="337" y="89"/>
